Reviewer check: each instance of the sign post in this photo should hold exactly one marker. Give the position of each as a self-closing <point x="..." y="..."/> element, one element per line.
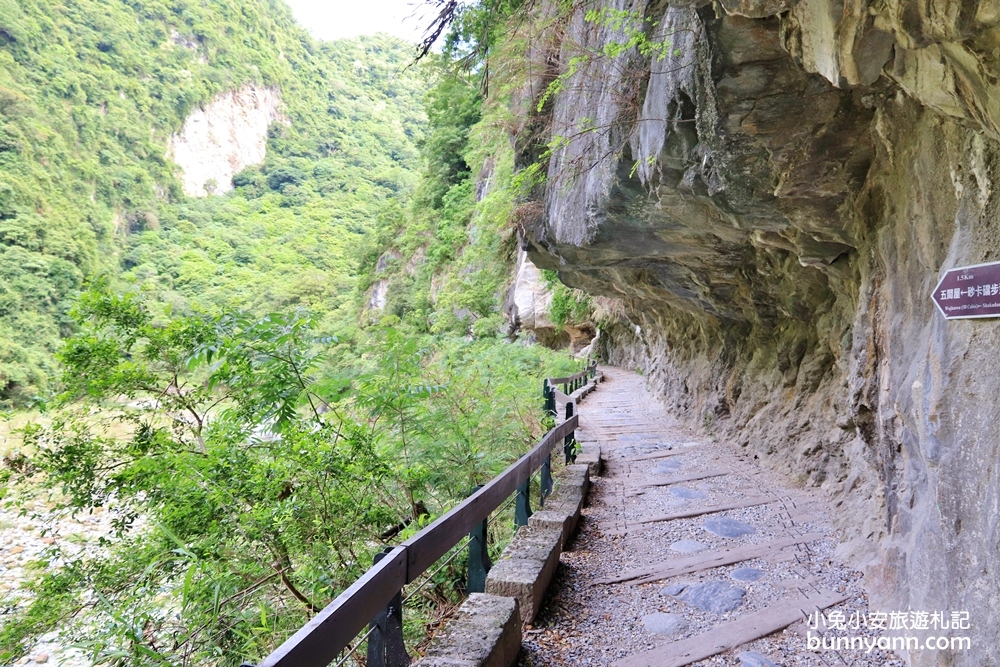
<point x="969" y="292"/>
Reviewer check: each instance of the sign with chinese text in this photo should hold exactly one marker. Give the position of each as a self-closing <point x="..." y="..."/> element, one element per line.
<point x="969" y="291"/>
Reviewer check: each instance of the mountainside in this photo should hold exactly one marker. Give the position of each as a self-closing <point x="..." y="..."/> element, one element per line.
<point x="763" y="196"/>
<point x="100" y="153"/>
<point x="254" y="285"/>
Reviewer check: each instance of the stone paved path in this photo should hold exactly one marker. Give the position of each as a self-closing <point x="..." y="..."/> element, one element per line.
<point x="587" y="622"/>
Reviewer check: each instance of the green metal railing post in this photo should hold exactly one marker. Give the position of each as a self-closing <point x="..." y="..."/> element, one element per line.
<point x="546" y="480"/>
<point x="569" y="444"/>
<point x="522" y="508"/>
<point x="385" y="643"/>
<point x="479" y="556"/>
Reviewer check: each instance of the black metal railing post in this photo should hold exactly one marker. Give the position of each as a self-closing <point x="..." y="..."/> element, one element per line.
<point x="385" y="641"/>
<point x="479" y="556"/>
<point x="548" y="399"/>
<point x="522" y="507"/>
<point x="545" y="481"/>
<point x="569" y="444"/>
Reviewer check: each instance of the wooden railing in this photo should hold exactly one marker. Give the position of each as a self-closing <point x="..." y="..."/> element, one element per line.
<point x="374" y="599"/>
<point x="569" y="384"/>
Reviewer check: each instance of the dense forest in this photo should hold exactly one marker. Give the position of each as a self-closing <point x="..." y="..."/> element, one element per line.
<point x="91" y="93"/>
<point x="265" y="386"/>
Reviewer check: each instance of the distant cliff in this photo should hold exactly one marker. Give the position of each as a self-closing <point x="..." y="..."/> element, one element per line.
<point x="224" y="137"/>
<point x="769" y="193"/>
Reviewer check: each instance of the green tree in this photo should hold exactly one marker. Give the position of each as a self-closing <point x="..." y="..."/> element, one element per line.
<point x="251" y="476"/>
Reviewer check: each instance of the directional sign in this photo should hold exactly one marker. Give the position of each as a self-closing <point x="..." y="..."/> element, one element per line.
<point x="969" y="291"/>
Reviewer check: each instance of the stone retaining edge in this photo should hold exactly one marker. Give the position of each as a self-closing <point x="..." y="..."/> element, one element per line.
<point x="529" y="562"/>
<point x="485" y="632"/>
<point x="486" y="629"/>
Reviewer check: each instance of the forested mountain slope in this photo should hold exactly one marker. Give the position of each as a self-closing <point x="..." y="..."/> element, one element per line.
<point x="90" y="94"/>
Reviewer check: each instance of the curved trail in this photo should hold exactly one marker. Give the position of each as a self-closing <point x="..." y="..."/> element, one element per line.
<point x="633" y="588"/>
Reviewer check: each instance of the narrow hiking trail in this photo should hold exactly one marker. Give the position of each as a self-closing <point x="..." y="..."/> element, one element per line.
<point x="690" y="553"/>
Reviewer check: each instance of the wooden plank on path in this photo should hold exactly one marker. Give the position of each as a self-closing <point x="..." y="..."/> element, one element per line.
<point x="706" y="561"/>
<point x="677" y="479"/>
<point x="734" y="633"/>
<point x="639" y="525"/>
<point x="657" y="455"/>
<point x="711" y="509"/>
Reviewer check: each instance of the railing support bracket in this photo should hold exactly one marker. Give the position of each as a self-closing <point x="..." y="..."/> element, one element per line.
<point x="385" y="645"/>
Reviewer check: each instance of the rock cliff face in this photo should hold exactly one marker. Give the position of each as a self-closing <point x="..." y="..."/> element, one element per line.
<point x="530" y="300"/>
<point x="773" y="202"/>
<point x="528" y="307"/>
<point x="222" y="138"/>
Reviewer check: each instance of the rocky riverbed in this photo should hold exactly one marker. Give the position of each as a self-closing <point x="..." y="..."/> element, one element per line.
<point x="31" y="535"/>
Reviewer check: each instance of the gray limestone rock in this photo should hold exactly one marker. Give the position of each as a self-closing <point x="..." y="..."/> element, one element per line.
<point x="668" y="625"/>
<point x="794" y="186"/>
<point x="686" y="493"/>
<point x="688" y="546"/>
<point x="754" y="659"/>
<point x="716" y="596"/>
<point x="726" y="527"/>
<point x="673" y="589"/>
<point x="747" y="574"/>
<point x="670" y="465"/>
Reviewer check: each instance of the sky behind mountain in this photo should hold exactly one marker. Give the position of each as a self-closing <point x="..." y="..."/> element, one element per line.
<point x="336" y="19"/>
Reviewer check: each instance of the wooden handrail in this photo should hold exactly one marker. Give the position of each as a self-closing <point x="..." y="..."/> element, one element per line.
<point x="576" y="376"/>
<point x="434" y="541"/>
<point x="317" y="643"/>
<point x="320" y="640"/>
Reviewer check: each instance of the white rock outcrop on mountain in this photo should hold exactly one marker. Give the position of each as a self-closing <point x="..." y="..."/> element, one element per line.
<point x="531" y="297"/>
<point x="224" y="137"/>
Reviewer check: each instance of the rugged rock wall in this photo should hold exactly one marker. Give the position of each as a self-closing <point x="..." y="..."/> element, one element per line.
<point x="222" y="138"/>
<point x="773" y="203"/>
<point x="529" y="309"/>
